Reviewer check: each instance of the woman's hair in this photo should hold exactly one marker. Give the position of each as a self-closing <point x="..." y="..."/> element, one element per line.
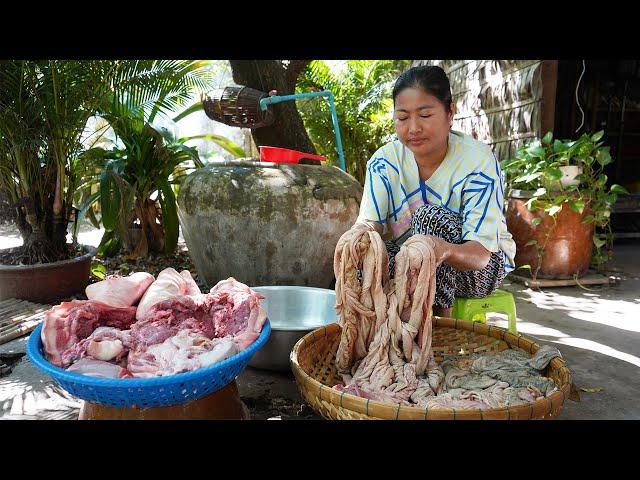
<point x="429" y="78"/>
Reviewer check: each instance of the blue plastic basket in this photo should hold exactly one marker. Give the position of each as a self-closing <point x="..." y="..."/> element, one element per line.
<point x="146" y="392"/>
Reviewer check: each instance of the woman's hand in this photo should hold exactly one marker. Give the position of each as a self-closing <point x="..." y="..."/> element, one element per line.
<point x="442" y="249"/>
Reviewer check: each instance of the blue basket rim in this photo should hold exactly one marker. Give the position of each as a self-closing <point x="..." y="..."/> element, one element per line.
<point x="34" y="346"/>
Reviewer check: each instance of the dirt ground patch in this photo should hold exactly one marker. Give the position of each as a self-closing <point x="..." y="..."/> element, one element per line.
<point x="265" y="407"/>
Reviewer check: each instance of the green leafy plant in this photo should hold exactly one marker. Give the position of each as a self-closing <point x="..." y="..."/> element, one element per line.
<point x="537" y="168"/>
<point x="98" y="270"/>
<point x="136" y="182"/>
<point x="44" y="107"/>
<point x="135" y="179"/>
<point x="362" y="92"/>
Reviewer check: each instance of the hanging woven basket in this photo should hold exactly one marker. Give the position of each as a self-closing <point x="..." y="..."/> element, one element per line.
<point x="237" y="106"/>
<point x="313" y="364"/>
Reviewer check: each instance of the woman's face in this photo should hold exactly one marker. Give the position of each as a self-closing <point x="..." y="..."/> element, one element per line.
<point x="421" y="121"/>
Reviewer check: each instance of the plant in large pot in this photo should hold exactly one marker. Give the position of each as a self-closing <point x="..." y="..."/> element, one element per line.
<point x="134" y="180"/>
<point x="559" y="205"/>
<point x="139" y="177"/>
<point x="44" y="107"/>
<point x="138" y="186"/>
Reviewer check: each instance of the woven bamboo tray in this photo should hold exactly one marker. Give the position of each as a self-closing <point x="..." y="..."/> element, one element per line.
<point x="313" y="365"/>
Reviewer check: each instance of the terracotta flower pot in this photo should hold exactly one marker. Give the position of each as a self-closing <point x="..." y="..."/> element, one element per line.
<point x="568" y="249"/>
<point x="47" y="282"/>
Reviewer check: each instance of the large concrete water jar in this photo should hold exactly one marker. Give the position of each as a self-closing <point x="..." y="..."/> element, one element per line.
<point x="266" y="223"/>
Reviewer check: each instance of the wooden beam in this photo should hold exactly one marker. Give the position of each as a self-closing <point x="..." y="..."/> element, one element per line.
<point x="549" y="73"/>
<point x="590" y="278"/>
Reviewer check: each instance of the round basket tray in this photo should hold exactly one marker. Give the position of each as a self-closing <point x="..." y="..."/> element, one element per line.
<point x="147" y="392"/>
<point x="313" y="364"/>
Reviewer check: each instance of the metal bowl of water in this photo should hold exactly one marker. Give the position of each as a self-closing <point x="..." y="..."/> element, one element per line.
<point x="293" y="312"/>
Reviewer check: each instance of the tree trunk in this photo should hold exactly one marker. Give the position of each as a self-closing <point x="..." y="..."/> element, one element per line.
<point x="60" y="220"/>
<point x="59" y="231"/>
<point x="287" y="129"/>
<point x="149" y="238"/>
<point x="22" y="224"/>
<point x="39" y="246"/>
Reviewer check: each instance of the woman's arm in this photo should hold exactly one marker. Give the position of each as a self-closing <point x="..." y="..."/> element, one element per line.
<point x="470" y="255"/>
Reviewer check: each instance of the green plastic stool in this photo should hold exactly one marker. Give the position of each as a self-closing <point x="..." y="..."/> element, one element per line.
<point x="475" y="309"/>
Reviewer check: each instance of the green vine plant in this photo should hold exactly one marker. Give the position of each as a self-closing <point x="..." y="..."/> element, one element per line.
<point x="537" y="167"/>
<point x="540" y="249"/>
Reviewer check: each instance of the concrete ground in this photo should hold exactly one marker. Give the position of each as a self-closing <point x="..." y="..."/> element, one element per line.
<point x="598" y="332"/>
<point x="597" y="329"/>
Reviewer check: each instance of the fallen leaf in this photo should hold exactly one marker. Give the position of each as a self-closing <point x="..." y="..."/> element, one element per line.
<point x="591" y="389"/>
<point x="98" y="270"/>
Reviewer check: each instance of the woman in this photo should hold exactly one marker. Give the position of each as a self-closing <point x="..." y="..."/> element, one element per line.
<point x="439" y="182"/>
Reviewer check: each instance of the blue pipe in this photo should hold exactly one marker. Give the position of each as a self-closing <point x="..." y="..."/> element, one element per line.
<point x="264" y="102"/>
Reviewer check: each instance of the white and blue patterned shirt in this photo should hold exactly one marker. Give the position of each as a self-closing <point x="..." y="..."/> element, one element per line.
<point x="468" y="182"/>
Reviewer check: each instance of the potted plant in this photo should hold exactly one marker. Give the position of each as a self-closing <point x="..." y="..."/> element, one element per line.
<point x="138" y="184"/>
<point x="558" y="204"/>
<point x="137" y="180"/>
<point x="44" y="106"/>
<point x="44" y="109"/>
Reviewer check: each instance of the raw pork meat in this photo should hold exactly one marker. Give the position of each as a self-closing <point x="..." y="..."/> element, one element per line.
<point x="169" y="284"/>
<point x="105" y="343"/>
<point x="175" y="327"/>
<point x="65" y="325"/>
<point x="186" y="350"/>
<point x="243" y="317"/>
<point x="98" y="368"/>
<point x="230" y="309"/>
<point x="165" y="318"/>
<point x="120" y="291"/>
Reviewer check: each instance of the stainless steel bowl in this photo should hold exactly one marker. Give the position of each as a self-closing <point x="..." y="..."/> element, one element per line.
<point x="293" y="312"/>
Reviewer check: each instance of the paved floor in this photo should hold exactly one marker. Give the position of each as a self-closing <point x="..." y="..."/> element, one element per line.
<point x="597" y="329"/>
<point x="598" y="333"/>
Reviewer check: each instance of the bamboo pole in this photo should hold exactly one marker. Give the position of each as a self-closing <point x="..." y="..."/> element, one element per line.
<point x="9" y="326"/>
<point x="22" y="318"/>
<point x="18" y="331"/>
<point x="19" y="317"/>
